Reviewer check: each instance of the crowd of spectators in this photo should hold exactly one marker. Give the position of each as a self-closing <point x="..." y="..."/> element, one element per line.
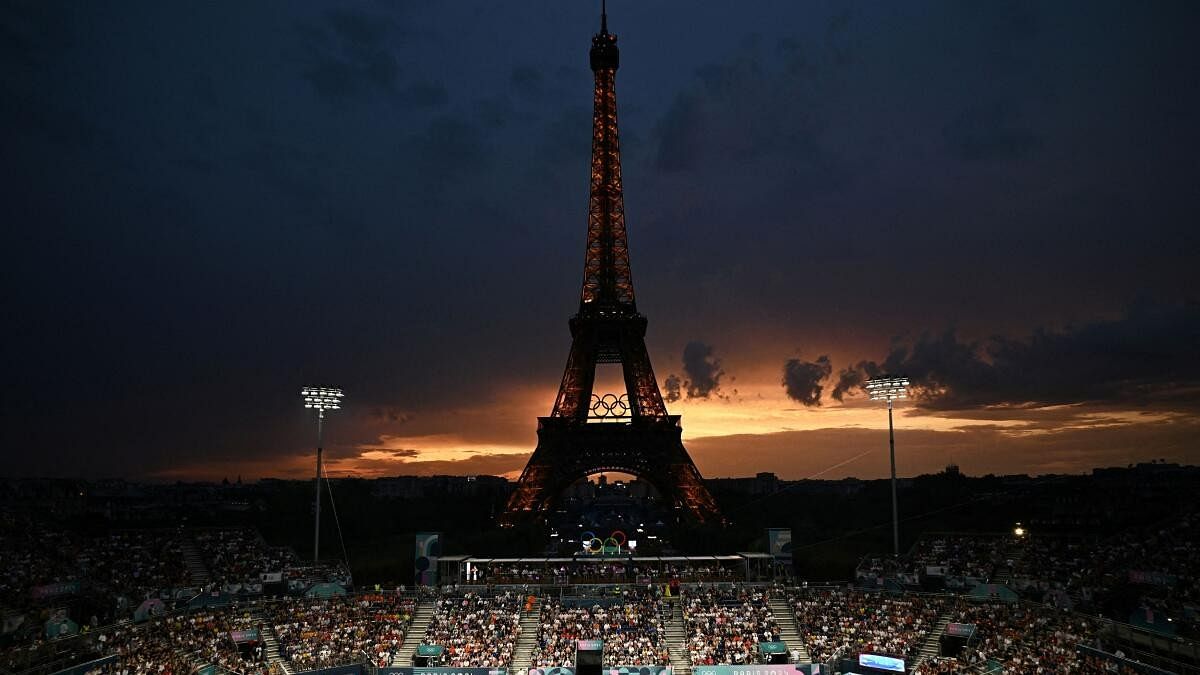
<point x="1025" y="638"/>
<point x="103" y="576"/>
<point x="726" y="625"/>
<point x="238" y="557"/>
<point x="837" y="623"/>
<point x="319" y="633"/>
<point x="477" y="631"/>
<point x="1147" y="568"/>
<point x="598" y="572"/>
<point x="631" y="627"/>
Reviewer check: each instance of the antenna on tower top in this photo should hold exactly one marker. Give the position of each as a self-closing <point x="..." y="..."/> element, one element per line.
<point x="603" y="17"/>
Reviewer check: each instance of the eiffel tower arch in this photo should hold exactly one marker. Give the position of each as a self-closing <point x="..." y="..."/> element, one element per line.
<point x="588" y="432"/>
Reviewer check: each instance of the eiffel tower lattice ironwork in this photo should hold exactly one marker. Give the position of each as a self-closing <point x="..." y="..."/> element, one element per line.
<point x="587" y="433"/>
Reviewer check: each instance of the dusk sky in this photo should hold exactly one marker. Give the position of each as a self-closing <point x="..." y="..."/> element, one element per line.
<point x="208" y="206"/>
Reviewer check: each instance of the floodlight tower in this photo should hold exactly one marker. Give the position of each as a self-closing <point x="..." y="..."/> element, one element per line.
<point x="890" y="389"/>
<point x="320" y="399"/>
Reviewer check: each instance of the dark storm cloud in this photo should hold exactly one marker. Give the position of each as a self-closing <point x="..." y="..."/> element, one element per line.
<point x="475" y="464"/>
<point x="758" y="103"/>
<point x="210" y="205"/>
<point x="672" y="388"/>
<point x="853" y="378"/>
<point x="802" y="379"/>
<point x="355" y="60"/>
<point x="527" y="81"/>
<point x="1146" y="356"/>
<point x="990" y="132"/>
<point x="390" y="414"/>
<point x="702" y="370"/>
<point x="424" y="94"/>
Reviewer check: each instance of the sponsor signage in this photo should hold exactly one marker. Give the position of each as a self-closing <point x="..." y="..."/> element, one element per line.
<point x="455" y="671"/>
<point x="964" y="630"/>
<point x="749" y="669"/>
<point x="429" y="549"/>
<point x="639" y="670"/>
<point x="880" y="662"/>
<point x="250" y="635"/>
<point x="54" y="590"/>
<point x="1152" y="578"/>
<point x="779" y="541"/>
<point x="773" y="647"/>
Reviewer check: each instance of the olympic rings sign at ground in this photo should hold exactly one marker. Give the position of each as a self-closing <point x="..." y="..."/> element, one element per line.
<point x="611" y="545"/>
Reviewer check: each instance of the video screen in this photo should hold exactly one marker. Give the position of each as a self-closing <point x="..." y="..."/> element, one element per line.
<point x="881" y="662"/>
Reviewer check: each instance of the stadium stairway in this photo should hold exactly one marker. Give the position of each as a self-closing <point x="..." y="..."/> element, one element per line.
<point x="676" y="634"/>
<point x="197" y="572"/>
<point x="271" y="643"/>
<point x="1004" y="571"/>
<point x="529" y="626"/>
<point x="789" y="632"/>
<point x="931" y="647"/>
<point x="416" y="633"/>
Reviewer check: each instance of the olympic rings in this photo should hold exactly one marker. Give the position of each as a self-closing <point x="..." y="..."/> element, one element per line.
<point x="610" y="405"/>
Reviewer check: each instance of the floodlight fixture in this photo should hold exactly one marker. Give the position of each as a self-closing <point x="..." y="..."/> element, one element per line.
<point x="320" y="399"/>
<point x="890" y="388"/>
<point x="887" y="388"/>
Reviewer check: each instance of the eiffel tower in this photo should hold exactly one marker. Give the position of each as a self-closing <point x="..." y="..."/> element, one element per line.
<point x="587" y="432"/>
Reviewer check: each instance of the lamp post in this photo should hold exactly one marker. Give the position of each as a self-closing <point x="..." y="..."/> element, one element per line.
<point x="320" y="399"/>
<point x="889" y="389"/>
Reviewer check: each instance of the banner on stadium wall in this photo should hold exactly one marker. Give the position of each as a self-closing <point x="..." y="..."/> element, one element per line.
<point x="149" y="608"/>
<point x="407" y="670"/>
<point x="1125" y="664"/>
<point x="1152" y="578"/>
<point x="639" y="670"/>
<point x="779" y="542"/>
<point x="994" y="592"/>
<point x="963" y="630"/>
<point x="90" y="666"/>
<point x="60" y="627"/>
<point x="325" y="591"/>
<point x="1151" y="620"/>
<point x="429" y="549"/>
<point x="430" y="650"/>
<point x="271" y="577"/>
<point x="250" y="635"/>
<point x="935" y="571"/>
<point x="557" y="670"/>
<point x="752" y="669"/>
<point x="54" y="590"/>
<point x="773" y="647"/>
<point x="353" y="669"/>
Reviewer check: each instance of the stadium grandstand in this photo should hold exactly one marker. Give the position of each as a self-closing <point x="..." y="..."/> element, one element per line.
<point x="220" y="600"/>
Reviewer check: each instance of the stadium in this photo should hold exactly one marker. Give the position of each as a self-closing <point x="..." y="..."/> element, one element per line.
<point x="221" y="600"/>
<point x="610" y="553"/>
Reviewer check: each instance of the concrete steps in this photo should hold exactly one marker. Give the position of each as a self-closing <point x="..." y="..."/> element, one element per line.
<point x="789" y="632"/>
<point x="197" y="570"/>
<point x="931" y="647"/>
<point x="271" y="648"/>
<point x="416" y="633"/>
<point x="523" y="652"/>
<point x="675" y="633"/>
